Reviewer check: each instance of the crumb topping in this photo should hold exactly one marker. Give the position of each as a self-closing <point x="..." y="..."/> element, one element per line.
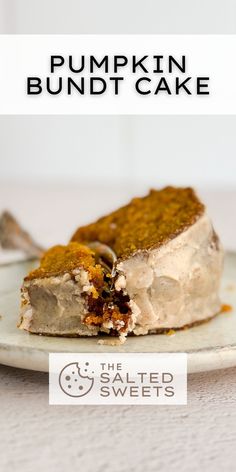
<point x="65" y="259"/>
<point x="145" y="222"/>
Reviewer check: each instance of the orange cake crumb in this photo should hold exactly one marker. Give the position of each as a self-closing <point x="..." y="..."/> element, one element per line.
<point x="226" y="308"/>
<point x="170" y="332"/>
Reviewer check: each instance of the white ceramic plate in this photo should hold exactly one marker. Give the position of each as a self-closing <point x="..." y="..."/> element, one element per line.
<point x="209" y="346"/>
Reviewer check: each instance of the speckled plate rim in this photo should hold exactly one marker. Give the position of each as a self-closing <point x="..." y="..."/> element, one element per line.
<point x="209" y="346"/>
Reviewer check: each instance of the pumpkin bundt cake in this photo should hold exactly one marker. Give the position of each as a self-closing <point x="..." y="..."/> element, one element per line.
<point x="151" y="265"/>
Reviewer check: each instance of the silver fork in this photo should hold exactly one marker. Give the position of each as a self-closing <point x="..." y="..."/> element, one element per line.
<point x="13" y="236"/>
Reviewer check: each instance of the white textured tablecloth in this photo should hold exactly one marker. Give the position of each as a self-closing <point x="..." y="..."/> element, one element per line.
<point x="36" y="437"/>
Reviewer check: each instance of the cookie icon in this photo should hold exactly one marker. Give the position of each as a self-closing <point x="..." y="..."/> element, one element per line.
<point x="73" y="382"/>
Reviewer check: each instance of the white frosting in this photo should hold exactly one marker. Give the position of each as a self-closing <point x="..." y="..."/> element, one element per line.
<point x="169" y="287"/>
<point x="55" y="305"/>
<point x="176" y="284"/>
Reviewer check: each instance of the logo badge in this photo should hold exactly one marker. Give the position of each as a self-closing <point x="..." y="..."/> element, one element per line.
<point x="118" y="379"/>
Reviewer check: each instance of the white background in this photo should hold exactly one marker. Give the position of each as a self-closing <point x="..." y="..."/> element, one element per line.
<point x="188" y="150"/>
<point x="109" y="17"/>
